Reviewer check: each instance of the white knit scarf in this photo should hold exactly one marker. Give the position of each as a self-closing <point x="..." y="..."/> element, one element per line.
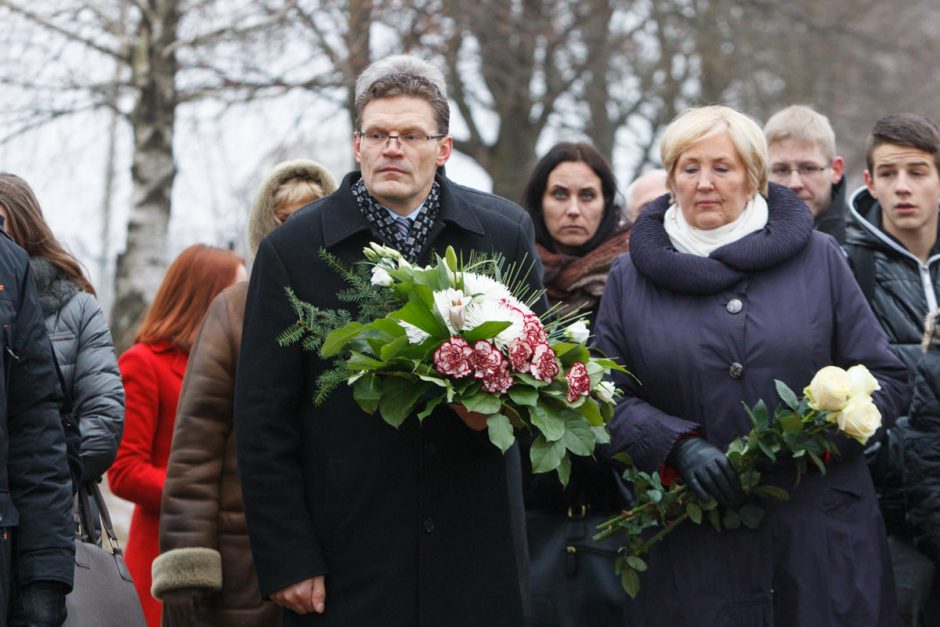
<point x="688" y="239"/>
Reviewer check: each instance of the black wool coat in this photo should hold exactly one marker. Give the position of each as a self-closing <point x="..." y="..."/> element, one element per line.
<point x="414" y="526"/>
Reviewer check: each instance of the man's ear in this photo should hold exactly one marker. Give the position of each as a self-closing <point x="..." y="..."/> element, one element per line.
<point x="838" y="168"/>
<point x="445" y="150"/>
<point x="357" y="147"/>
<point x="870" y="184"/>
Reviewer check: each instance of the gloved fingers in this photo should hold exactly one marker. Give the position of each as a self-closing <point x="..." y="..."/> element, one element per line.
<point x="728" y="470"/>
<point x="718" y="484"/>
<point x="696" y="486"/>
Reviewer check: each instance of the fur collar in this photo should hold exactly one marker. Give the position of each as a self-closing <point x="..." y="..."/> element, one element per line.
<point x="54" y="288"/>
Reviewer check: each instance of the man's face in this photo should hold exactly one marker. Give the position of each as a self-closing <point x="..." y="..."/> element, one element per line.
<point x="813" y="186"/>
<point x="400" y="174"/>
<point x="906" y="183"/>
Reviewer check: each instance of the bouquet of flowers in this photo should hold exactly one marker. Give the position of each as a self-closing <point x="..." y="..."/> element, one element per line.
<point x="836" y="400"/>
<point x="464" y="334"/>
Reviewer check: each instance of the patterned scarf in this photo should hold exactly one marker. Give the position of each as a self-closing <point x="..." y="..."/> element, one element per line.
<point x="383" y="222"/>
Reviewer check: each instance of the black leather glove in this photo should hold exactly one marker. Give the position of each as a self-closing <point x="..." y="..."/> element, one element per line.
<point x="39" y="604"/>
<point x="706" y="470"/>
<point x="179" y="607"/>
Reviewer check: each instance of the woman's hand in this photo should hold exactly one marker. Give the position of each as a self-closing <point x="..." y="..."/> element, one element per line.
<point x="706" y="470"/>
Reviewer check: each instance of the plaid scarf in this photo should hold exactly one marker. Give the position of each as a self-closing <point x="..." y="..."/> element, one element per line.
<point x="383" y="222"/>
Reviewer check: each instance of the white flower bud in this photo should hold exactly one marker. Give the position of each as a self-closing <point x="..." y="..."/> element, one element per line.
<point x="829" y="389"/>
<point x="381" y="277"/>
<point x="577" y="332"/>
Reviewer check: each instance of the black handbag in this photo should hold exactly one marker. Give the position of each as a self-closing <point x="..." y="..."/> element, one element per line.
<point x="103" y="593"/>
<point x="573" y="578"/>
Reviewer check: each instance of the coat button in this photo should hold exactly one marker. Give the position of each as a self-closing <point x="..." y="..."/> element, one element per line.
<point x="429" y="524"/>
<point x="735" y="370"/>
<point x="734" y="306"/>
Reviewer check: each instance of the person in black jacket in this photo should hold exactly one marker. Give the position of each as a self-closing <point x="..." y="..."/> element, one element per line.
<point x="351" y="521"/>
<point x="921" y="460"/>
<point x="801" y="147"/>
<point x="36" y="530"/>
<point x="894" y="249"/>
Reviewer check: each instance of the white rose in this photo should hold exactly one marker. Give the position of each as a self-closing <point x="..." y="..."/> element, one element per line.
<point x="829" y="389"/>
<point x="381" y="277"/>
<point x="861" y="382"/>
<point x="860" y="419"/>
<point x="577" y="332"/>
<point x="605" y="391"/>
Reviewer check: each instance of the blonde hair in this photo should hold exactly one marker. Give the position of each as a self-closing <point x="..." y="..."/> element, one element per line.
<point x="803" y="124"/>
<point x="703" y="123"/>
<point x="295" y="190"/>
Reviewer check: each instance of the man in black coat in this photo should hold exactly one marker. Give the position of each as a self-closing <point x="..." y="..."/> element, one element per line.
<point x="36" y="530"/>
<point x="801" y="147"/>
<point x="351" y="521"/>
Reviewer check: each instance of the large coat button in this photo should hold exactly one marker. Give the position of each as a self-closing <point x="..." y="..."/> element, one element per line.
<point x="735" y="370"/>
<point x="734" y="306"/>
<point x="429" y="524"/>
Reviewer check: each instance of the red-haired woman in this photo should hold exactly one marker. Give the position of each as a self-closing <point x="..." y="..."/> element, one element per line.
<point x="152" y="370"/>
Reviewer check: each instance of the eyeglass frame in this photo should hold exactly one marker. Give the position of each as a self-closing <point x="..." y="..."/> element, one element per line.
<point x="814" y="170"/>
<point x="389" y="137"/>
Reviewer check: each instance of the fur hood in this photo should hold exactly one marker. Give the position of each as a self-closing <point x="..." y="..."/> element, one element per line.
<point x="55" y="290"/>
<point x="261" y="220"/>
<point x="931" y="339"/>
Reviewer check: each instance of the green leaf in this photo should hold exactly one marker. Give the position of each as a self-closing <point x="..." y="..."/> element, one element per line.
<point x="387" y="326"/>
<point x="751" y="515"/>
<point x="636" y="563"/>
<point x="339" y="338"/>
<point x="367" y="391"/>
<point x="430" y="407"/>
<point x="482" y="402"/>
<point x="694" y="512"/>
<point x="524" y="395"/>
<point x="731" y="520"/>
<point x="546" y="456"/>
<point x="548" y="421"/>
<point x="790" y="422"/>
<point x="579" y="435"/>
<point x="786" y="394"/>
<point x="819" y="462"/>
<point x="421" y="317"/>
<point x="391" y="350"/>
<point x="358" y="361"/>
<point x="654" y="495"/>
<point x="425" y="296"/>
<point x="500" y="431"/>
<point x="601" y="435"/>
<point x="564" y="471"/>
<point x="772" y="491"/>
<point x="761" y="415"/>
<point x="623" y="458"/>
<point x="530" y="380"/>
<point x="630" y="581"/>
<point x="399" y="397"/>
<point x="714" y="518"/>
<point x="486" y="331"/>
<point x="591" y="412"/>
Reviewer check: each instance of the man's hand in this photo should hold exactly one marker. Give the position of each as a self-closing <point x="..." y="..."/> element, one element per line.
<point x="303" y="597"/>
<point x="474" y="420"/>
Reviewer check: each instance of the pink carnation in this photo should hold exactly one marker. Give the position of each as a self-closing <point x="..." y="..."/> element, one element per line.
<point x="544" y="365"/>
<point x="485" y="357"/>
<point x="533" y="330"/>
<point x="520" y="352"/>
<point x="453" y="358"/>
<point x="579" y="382"/>
<point x="497" y="380"/>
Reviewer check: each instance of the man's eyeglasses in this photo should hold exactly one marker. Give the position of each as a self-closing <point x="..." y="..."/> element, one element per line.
<point x="805" y="170"/>
<point x="374" y="139"/>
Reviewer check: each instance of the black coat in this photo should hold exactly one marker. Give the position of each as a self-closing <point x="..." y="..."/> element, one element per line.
<point x="37" y="540"/>
<point x="833" y="220"/>
<point x="704" y="335"/>
<point x="412" y="527"/>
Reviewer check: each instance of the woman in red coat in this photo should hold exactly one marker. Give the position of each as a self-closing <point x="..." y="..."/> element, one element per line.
<point x="153" y="370"/>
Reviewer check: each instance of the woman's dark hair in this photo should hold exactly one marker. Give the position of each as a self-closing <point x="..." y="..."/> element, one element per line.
<point x="27" y="227"/>
<point x="194" y="278"/>
<point x="538" y="181"/>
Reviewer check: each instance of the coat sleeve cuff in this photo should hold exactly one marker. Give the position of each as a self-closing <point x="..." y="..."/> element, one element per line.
<point x="191" y="567"/>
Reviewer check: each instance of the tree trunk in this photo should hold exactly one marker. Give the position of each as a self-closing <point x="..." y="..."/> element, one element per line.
<point x="141" y="266"/>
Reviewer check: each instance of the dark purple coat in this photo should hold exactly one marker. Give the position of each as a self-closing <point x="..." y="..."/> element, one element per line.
<point x="703" y="335"/>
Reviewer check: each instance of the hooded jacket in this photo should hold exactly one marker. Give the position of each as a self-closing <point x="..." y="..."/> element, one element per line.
<point x="203" y="537"/>
<point x="85" y="352"/>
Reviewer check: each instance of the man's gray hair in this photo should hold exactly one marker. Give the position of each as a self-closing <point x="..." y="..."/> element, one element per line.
<point x="400" y="64"/>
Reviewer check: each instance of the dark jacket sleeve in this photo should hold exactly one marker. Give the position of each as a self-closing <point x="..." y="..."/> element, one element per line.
<point x="38" y="466"/>
<point x="97" y="390"/>
<point x="645" y="433"/>
<point x="922" y="458"/>
<point x="269" y="390"/>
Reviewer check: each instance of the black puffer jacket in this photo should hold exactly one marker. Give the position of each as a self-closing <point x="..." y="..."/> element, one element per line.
<point x="83" y="346"/>
<point x="922" y="448"/>
<point x="37" y="536"/>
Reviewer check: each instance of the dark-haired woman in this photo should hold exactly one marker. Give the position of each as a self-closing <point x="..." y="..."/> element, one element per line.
<point x="579" y="230"/>
<point x="80" y="336"/>
<point x="153" y="374"/>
